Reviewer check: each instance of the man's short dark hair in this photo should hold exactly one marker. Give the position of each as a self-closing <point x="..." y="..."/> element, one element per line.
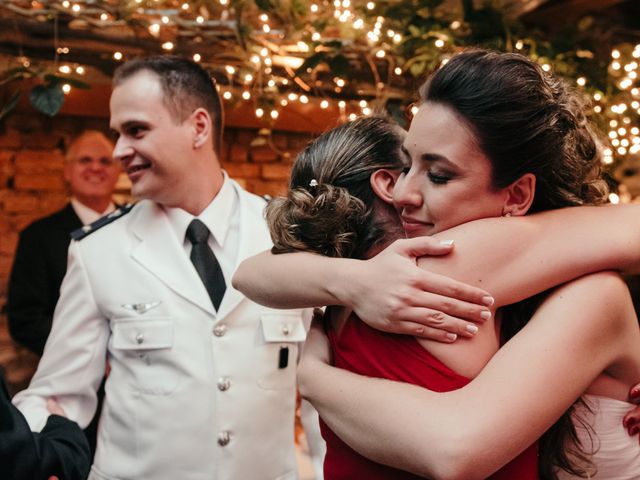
<point x="186" y="87"/>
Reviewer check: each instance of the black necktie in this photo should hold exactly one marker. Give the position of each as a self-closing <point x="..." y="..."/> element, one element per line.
<point x="206" y="262"/>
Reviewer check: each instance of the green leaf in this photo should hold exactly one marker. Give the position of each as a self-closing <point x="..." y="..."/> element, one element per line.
<point x="47" y="99"/>
<point x="339" y="65"/>
<point x="311" y="62"/>
<point x="10" y="105"/>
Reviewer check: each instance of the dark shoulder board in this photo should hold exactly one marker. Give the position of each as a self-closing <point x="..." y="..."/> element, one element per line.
<point x="82" y="232"/>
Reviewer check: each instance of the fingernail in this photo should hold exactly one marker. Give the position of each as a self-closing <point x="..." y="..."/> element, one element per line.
<point x="635" y="392"/>
<point x="471" y="328"/>
<point x="486" y="314"/>
<point x="446" y="243"/>
<point x="451" y="336"/>
<point x="488" y="300"/>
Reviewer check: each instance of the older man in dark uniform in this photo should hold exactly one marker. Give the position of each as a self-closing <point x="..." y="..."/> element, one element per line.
<point x="41" y="258"/>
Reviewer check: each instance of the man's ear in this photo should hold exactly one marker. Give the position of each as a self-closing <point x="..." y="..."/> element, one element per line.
<point x="382" y="183"/>
<point x="520" y="195"/>
<point x="201" y="122"/>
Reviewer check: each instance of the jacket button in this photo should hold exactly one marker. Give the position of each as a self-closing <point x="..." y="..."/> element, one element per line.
<point x="219" y="330"/>
<point x="223" y="384"/>
<point x="139" y="338"/>
<point x="224" y="438"/>
<point x="286" y="330"/>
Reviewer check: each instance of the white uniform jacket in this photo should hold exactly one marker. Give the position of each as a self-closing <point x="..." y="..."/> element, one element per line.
<point x="192" y="394"/>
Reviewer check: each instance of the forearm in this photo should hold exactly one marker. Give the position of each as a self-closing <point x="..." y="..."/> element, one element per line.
<point x="294" y="280"/>
<point x="515" y="258"/>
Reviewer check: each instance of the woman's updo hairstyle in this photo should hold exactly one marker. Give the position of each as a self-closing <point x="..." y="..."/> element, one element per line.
<point x="328" y="209"/>
<point x="525" y="120"/>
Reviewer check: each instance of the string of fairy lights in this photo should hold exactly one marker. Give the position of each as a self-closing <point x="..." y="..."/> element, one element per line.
<point x="257" y="54"/>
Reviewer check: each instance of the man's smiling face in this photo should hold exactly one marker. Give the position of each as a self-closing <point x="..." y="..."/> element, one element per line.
<point x="153" y="145"/>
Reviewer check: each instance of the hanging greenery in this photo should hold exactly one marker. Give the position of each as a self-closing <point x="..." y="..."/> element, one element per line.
<point x="356" y="54"/>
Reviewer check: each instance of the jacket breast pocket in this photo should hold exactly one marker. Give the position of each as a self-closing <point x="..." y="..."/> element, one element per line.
<point x="283" y="332"/>
<point x="144" y="346"/>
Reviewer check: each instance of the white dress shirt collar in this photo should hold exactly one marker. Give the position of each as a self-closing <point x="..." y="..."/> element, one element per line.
<point x="216" y="216"/>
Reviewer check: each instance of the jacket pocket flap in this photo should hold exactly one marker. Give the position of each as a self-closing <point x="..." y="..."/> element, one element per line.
<point x="283" y="327"/>
<point x="143" y="334"/>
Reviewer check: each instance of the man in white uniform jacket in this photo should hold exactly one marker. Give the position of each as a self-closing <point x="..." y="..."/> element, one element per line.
<point x="195" y="392"/>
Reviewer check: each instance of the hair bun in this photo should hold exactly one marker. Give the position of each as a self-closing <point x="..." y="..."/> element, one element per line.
<point x="325" y="220"/>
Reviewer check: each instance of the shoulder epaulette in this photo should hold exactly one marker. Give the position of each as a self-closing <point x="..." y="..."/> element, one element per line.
<point x="87" y="230"/>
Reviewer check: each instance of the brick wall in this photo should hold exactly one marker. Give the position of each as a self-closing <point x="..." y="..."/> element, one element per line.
<point x="31" y="186"/>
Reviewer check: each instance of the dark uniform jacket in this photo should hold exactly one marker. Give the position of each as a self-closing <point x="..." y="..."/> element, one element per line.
<point x="61" y="448"/>
<point x="38" y="269"/>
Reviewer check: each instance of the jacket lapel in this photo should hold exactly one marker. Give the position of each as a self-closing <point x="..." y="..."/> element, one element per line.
<point x="254" y="238"/>
<point x="160" y="252"/>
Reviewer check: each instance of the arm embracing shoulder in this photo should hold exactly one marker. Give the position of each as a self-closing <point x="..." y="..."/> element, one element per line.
<point x="515" y="258"/>
<point x="472" y="432"/>
<point x="74" y="358"/>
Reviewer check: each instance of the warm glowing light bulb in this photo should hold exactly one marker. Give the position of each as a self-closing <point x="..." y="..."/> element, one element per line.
<point x="227" y="95"/>
<point x="64" y="69"/>
<point x="167" y="45"/>
<point x="230" y="70"/>
<point x="76" y="8"/>
<point x="248" y="78"/>
<point x="371" y="5"/>
<point x="117" y="55"/>
<point x="264" y="17"/>
<point x="304" y="99"/>
<point x="80" y="70"/>
<point x="324" y="104"/>
<point x="615" y="53"/>
<point x="196" y="57"/>
<point x="597" y="96"/>
<point x="546" y="67"/>
<point x="352" y="117"/>
<point x="66" y="88"/>
<point x="342" y="104"/>
<point x="314" y="8"/>
<point x="519" y="45"/>
<point x="380" y="53"/>
<point x="274" y="114"/>
<point x="199" y="19"/>
<point x="259" y="112"/>
<point x="439" y="43"/>
<point x="104" y="17"/>
<point x="414" y="110"/>
<point x="397" y="71"/>
<point x="246" y="95"/>
<point x="581" y="81"/>
<point x="165" y="19"/>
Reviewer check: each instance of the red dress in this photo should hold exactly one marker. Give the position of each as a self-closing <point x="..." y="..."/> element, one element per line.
<point x="366" y="351"/>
